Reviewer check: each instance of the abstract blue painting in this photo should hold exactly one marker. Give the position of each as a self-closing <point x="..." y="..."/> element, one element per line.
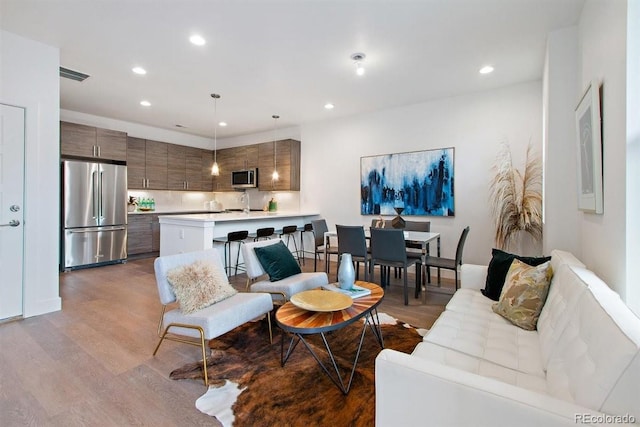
<point x="414" y="183"/>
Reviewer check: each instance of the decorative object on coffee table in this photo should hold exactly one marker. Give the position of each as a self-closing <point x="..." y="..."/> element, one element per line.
<point x="346" y="272"/>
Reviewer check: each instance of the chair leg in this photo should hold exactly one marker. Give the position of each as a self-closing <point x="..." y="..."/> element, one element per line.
<point x="406" y="287"/>
<point x="270" y="330"/>
<point x="418" y="280"/>
<point x="238" y="257"/>
<point x="204" y="359"/>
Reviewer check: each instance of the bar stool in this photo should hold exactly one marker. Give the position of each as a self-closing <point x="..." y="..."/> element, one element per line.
<point x="263" y="233"/>
<point x="289" y="231"/>
<point x="234" y="236"/>
<point x="308" y="228"/>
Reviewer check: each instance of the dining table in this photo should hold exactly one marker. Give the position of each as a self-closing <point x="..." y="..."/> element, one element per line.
<point x="424" y="238"/>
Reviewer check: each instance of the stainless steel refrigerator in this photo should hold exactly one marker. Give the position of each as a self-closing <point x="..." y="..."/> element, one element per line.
<point x="94" y="213"/>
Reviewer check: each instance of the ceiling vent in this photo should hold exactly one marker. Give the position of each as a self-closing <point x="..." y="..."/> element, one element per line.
<point x="73" y="75"/>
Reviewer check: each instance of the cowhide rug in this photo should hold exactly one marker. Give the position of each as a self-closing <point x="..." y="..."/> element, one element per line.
<point x="244" y="367"/>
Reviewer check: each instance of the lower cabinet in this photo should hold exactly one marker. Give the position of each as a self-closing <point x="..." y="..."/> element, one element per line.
<point x="143" y="234"/>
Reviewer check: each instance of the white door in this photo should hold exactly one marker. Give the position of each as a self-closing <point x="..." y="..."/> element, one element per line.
<point x="11" y="210"/>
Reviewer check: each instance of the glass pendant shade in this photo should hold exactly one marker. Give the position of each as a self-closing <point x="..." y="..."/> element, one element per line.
<point x="215" y="169"/>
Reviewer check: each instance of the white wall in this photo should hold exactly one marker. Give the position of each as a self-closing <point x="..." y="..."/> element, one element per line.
<point x="29" y="79"/>
<point x="561" y="217"/>
<point x="633" y="154"/>
<point x="603" y="49"/>
<point x="474" y="124"/>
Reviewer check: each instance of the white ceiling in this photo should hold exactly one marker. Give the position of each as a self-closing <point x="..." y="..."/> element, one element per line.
<point x="286" y="57"/>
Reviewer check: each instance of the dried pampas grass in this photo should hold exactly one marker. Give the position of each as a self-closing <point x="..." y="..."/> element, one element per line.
<point x="515" y="198"/>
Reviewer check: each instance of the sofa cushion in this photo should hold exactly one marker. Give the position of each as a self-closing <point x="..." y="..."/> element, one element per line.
<point x="595" y="361"/>
<point x="277" y="261"/>
<point x="524" y="294"/>
<point x="490" y="337"/>
<point x="498" y="268"/>
<point x="479" y="366"/>
<point x="469" y="301"/>
<point x="221" y="317"/>
<point x="292" y="284"/>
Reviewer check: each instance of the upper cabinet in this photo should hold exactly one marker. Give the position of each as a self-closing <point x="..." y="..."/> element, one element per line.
<point x="184" y="168"/>
<point x="91" y="142"/>
<point x="285" y="157"/>
<point x="146" y="164"/>
<point x="207" y="163"/>
<point x="226" y="163"/>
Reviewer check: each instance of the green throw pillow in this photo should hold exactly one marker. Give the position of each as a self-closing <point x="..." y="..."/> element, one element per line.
<point x="277" y="261"/>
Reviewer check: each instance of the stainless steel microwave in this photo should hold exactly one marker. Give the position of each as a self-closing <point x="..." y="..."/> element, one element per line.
<point x="247" y="178"/>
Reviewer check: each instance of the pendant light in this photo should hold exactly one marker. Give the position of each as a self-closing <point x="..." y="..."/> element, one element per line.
<point x="215" y="170"/>
<point x="275" y="176"/>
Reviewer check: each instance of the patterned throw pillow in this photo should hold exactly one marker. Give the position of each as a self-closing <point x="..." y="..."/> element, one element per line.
<point x="198" y="285"/>
<point x="524" y="293"/>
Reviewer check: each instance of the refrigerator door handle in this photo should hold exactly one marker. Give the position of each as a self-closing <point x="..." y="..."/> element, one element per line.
<point x="95" y="229"/>
<point x="94" y="198"/>
<point x="101" y="200"/>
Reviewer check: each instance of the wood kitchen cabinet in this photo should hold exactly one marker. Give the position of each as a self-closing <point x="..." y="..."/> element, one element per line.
<point x="184" y="168"/>
<point x="207" y="162"/>
<point x="143" y="234"/>
<point x="287" y="155"/>
<point x="146" y="164"/>
<point x="90" y="142"/>
<point x="226" y="163"/>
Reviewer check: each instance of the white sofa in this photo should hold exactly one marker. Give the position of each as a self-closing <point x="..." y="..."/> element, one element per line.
<point x="475" y="368"/>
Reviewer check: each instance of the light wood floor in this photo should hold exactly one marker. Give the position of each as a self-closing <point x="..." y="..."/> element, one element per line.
<point x="91" y="362"/>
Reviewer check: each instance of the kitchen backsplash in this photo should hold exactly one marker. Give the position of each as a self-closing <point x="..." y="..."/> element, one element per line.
<point x="174" y="201"/>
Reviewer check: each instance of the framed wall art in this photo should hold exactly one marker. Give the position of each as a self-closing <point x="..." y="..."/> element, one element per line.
<point x="589" y="139"/>
<point x="413" y="183"/>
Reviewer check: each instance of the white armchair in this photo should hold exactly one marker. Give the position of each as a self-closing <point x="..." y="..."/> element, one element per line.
<point x="281" y="290"/>
<point x="208" y="323"/>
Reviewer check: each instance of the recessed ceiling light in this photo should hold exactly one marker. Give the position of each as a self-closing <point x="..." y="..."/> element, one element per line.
<point x="145" y="103"/>
<point x="329" y="106"/>
<point x="139" y="70"/>
<point x="358" y="59"/>
<point x="486" y="69"/>
<point x="197" y="40"/>
<point x="223" y="124"/>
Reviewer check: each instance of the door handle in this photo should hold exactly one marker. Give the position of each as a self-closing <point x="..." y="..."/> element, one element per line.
<point x="12" y="223"/>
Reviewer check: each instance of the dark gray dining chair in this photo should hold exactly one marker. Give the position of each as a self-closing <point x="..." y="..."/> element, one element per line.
<point x="319" y="227"/>
<point x="388" y="250"/>
<point x="448" y="263"/>
<point x="351" y="240"/>
<point x="414" y="249"/>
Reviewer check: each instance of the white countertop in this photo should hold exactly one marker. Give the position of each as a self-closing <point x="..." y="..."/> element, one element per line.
<point x="233" y="216"/>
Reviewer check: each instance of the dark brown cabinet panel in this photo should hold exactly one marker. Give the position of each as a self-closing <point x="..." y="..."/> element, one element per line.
<point x="156" y="165"/>
<point x="286" y="159"/>
<point x="226" y="163"/>
<point x="111" y="144"/>
<point x="193" y="169"/>
<point x="90" y="142"/>
<point x="140" y="234"/>
<point x="207" y="178"/>
<point x="146" y="164"/>
<point x="177" y="155"/>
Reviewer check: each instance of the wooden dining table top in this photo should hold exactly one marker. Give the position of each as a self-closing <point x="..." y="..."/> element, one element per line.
<point x="297" y="320"/>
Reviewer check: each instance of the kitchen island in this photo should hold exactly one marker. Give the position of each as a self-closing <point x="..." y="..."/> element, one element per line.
<point x="195" y="232"/>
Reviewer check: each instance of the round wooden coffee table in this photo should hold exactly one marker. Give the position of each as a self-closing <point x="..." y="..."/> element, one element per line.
<point x="300" y="322"/>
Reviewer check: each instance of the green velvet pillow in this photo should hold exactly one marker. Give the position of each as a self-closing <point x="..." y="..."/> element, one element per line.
<point x="278" y="261"/>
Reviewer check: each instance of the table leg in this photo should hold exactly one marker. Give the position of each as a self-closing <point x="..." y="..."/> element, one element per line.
<point x="438" y="257"/>
<point x="373" y="323"/>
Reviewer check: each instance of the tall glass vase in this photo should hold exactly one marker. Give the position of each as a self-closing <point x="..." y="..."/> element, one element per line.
<point x="346" y="272"/>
